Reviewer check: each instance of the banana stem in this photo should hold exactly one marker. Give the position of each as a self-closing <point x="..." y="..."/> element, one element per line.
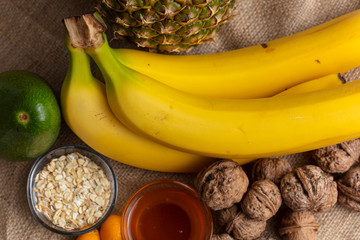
<point x="85" y="31"/>
<point x="77" y="66"/>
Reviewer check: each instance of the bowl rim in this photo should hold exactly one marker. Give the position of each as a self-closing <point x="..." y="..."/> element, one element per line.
<point x="30" y="199"/>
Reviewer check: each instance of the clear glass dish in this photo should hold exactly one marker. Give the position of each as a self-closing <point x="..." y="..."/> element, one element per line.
<point x="166" y="209"/>
<point x="46" y="158"/>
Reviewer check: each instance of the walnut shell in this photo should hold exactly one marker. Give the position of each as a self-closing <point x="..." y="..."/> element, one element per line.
<point x="244" y="228"/>
<point x="224" y="216"/>
<point x="337" y="158"/>
<point x="270" y="168"/>
<point x="308" y="188"/>
<point x="262" y="200"/>
<point x="222" y="184"/>
<point x="349" y="189"/>
<point x="223" y="236"/>
<point x="298" y="226"/>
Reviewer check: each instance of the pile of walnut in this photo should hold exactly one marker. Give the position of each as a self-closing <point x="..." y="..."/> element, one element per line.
<point x="242" y="207"/>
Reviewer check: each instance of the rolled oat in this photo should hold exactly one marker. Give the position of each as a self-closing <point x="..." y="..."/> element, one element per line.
<point x="72" y="191"/>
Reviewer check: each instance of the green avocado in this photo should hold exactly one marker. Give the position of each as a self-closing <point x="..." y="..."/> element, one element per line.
<point x="30" y="116"/>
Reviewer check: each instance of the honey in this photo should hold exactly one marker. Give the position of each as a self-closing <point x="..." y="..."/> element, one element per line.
<point x="166" y="210"/>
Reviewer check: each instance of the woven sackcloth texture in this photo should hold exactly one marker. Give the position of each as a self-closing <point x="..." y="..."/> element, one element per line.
<point x="32" y="38"/>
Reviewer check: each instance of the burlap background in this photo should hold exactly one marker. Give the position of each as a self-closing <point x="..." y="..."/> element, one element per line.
<point x="32" y="36"/>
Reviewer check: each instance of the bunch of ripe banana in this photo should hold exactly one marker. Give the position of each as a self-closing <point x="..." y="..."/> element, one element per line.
<point x="202" y="107"/>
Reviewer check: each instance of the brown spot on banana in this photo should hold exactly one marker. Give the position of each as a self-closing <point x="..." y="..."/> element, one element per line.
<point x="161" y="116"/>
<point x="100" y="116"/>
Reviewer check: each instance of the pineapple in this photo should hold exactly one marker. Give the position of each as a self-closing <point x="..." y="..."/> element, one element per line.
<point x="166" y="25"/>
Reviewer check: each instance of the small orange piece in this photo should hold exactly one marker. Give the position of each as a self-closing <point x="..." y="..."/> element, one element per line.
<point x="110" y="229"/>
<point x="93" y="235"/>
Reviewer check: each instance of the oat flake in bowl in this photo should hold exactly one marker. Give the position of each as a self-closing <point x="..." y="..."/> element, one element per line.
<point x="72" y="191"/>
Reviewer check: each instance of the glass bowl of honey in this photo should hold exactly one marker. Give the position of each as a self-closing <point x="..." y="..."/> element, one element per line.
<point x="166" y="209"/>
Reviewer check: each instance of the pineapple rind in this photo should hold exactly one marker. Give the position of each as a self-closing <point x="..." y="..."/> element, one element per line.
<point x="166" y="25"/>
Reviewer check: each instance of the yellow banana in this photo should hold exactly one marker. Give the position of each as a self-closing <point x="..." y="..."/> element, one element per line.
<point x="257" y="71"/>
<point x="87" y="89"/>
<point x="87" y="113"/>
<point x="229" y="128"/>
<point x="325" y="82"/>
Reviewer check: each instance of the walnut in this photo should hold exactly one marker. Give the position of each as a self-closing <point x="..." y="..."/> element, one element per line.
<point x="221" y="184"/>
<point x="223" y="236"/>
<point x="298" y="226"/>
<point x="270" y="168"/>
<point x="349" y="189"/>
<point x="224" y="216"/>
<point x="262" y="200"/>
<point x="337" y="158"/>
<point x="244" y="228"/>
<point x="308" y="188"/>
